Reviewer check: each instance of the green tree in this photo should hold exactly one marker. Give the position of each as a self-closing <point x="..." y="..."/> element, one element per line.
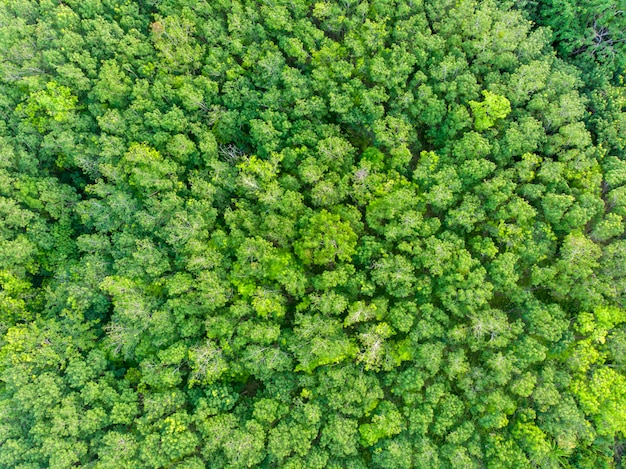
<point x="325" y="239"/>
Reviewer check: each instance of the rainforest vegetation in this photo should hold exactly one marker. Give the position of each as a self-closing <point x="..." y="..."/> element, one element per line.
<point x="294" y="234"/>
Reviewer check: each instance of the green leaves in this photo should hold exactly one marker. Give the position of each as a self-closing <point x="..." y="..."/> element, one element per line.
<point x="386" y="422"/>
<point x="55" y="103"/>
<point x="147" y="170"/>
<point x="208" y="363"/>
<point x="321" y="341"/>
<point x="486" y="112"/>
<point x="325" y="239"/>
<point x="345" y="234"/>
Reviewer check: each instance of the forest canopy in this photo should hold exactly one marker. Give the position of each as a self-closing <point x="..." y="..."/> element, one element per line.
<point x="336" y="234"/>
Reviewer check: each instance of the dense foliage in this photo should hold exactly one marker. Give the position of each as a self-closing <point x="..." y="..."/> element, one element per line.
<point x="343" y="234"/>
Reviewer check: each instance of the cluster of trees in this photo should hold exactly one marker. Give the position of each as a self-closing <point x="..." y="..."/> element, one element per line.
<point x="342" y="234"/>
